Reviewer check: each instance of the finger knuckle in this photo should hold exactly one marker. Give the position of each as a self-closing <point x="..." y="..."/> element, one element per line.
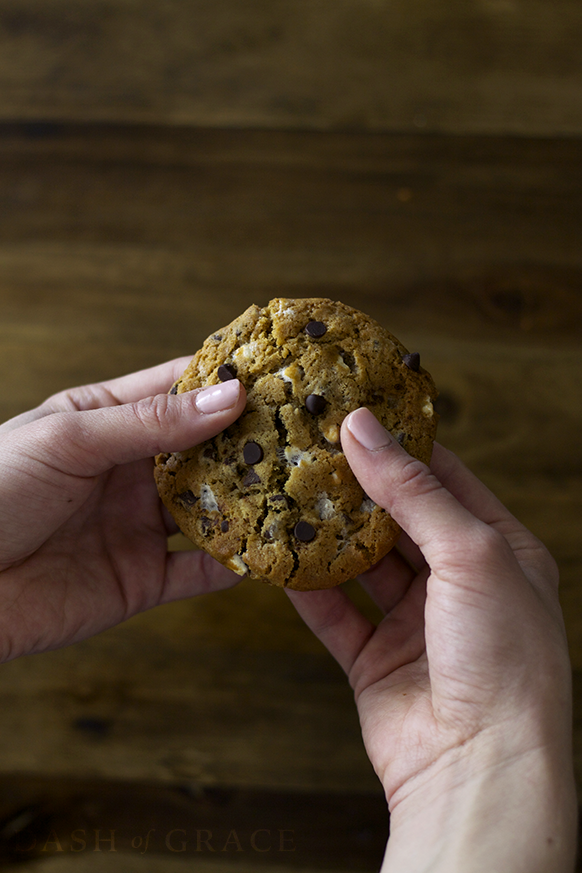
<point x="484" y="542"/>
<point x="416" y="479"/>
<point x="80" y="399"/>
<point x="64" y="401"/>
<point x="332" y="618"/>
<point x="152" y="412"/>
<point x="541" y="557"/>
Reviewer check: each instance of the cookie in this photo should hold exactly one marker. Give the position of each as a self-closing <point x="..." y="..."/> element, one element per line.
<point x="273" y="496"/>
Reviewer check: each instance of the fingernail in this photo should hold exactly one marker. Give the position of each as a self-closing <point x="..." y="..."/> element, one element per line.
<point x="367" y="430"/>
<point x="217" y="398"/>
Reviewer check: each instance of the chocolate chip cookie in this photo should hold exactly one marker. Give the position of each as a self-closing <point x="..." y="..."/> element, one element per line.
<point x="273" y="496"/>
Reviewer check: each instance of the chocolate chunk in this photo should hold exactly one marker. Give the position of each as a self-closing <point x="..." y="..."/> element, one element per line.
<point x="188" y="498"/>
<point x="206" y="524"/>
<point x="224" y="526"/>
<point x="174" y="389"/>
<point x="315" y="329"/>
<point x="412" y="361"/>
<point x="304" y="531"/>
<point x="315" y="404"/>
<point x="226" y="372"/>
<point x="252" y="453"/>
<point x="251" y="478"/>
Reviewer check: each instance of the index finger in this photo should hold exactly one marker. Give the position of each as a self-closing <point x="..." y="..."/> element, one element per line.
<point x="112" y="392"/>
<point x="143" y="383"/>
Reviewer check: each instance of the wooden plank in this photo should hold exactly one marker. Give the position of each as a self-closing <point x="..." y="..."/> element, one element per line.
<point x="466" y="66"/>
<point x="296" y="207"/>
<point x="104" y="230"/>
<point x="123" y="862"/>
<point x="195" y="692"/>
<point x="291" y="830"/>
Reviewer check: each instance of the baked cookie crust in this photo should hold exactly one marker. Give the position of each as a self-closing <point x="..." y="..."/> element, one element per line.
<point x="273" y="496"/>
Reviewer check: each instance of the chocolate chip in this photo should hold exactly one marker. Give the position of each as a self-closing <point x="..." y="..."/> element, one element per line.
<point x="252" y="453"/>
<point x="174" y="389"/>
<point x="188" y="498"/>
<point x="412" y="361"/>
<point x="315" y="329"/>
<point x="315" y="404"/>
<point x="251" y="478"/>
<point x="304" y="531"/>
<point x="224" y="526"/>
<point x="226" y="372"/>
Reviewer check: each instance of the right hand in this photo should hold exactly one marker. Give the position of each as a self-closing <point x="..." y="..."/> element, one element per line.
<point x="469" y="667"/>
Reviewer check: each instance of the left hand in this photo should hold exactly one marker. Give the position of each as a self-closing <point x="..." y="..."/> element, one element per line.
<point x="83" y="534"/>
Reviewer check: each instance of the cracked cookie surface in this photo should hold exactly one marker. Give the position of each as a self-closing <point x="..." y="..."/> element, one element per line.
<point x="273" y="496"/>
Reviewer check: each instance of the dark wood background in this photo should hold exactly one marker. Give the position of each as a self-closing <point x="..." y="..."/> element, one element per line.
<point x="163" y="165"/>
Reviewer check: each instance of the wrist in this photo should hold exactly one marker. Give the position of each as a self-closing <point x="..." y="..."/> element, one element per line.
<point x="475" y="811"/>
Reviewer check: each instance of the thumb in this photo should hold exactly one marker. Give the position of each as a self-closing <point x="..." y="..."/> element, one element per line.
<point x="407" y="489"/>
<point x="48" y="467"/>
<point x="90" y="442"/>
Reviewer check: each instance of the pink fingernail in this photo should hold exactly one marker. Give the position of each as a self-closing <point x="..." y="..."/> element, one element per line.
<point x="217" y="398"/>
<point x="365" y="427"/>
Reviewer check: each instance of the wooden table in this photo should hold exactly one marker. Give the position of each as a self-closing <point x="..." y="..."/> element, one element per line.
<point x="163" y="166"/>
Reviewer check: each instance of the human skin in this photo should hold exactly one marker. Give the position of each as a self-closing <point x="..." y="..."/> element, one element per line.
<point x="463" y="688"/>
<point x="83" y="534"/>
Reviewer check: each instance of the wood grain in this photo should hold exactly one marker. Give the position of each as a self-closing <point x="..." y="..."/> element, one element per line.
<point x="483" y="66"/>
<point x="198" y="691"/>
<point x="124" y="245"/>
<point x="282" y="830"/>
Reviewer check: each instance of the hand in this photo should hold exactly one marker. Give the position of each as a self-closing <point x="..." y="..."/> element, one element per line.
<point x="463" y="688"/>
<point x="83" y="535"/>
